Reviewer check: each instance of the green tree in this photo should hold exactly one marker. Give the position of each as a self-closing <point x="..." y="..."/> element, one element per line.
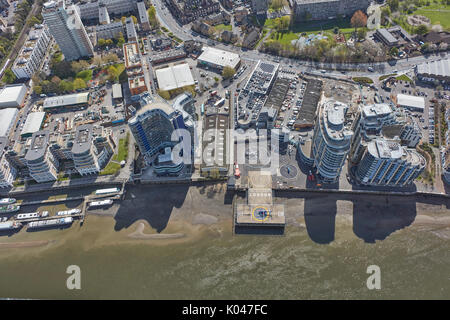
<point x="97" y="61"/>
<point x="393" y="52"/>
<point x="37" y="90"/>
<point x="111" y="57"/>
<point x="361" y="34"/>
<point x="35" y="20"/>
<point x="62" y="69"/>
<point x="276" y="5"/>
<point x="65" y="86"/>
<point x="393" y="4"/>
<point x="152" y="17"/>
<point x="101" y="42"/>
<point x="78" y="66"/>
<point x="228" y="72"/>
<point x="79" y="84"/>
<point x="113" y="73"/>
<point x="421" y="30"/>
<point x="9" y="77"/>
<point x="120" y="40"/>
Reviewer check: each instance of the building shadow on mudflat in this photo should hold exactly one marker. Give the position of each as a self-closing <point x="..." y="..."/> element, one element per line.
<point x="375" y="217"/>
<point x="152" y="203"/>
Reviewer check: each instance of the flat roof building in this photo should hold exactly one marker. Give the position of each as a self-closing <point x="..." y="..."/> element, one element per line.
<point x="39" y="159"/>
<point x="109" y="31"/>
<point x="218" y="59"/>
<point x="117" y="91"/>
<point x="386" y="37"/>
<point x="83" y="151"/>
<point x="174" y="77"/>
<point x="8" y="117"/>
<point x="152" y="128"/>
<point x="131" y="30"/>
<point x="215" y="160"/>
<point x="132" y="55"/>
<point x="411" y="102"/>
<point x="435" y="70"/>
<point x="103" y="16"/>
<point x="7" y="171"/>
<point x="143" y="16"/>
<point x="70" y="100"/>
<point x="12" y="96"/>
<point x="387" y="163"/>
<point x="33" y="123"/>
<point x="32" y="53"/>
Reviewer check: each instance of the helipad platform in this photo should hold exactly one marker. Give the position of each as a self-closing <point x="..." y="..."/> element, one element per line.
<point x="259" y="212"/>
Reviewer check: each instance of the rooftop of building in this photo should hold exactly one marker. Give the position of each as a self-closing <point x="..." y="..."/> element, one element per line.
<point x="132" y="55"/>
<point x="143" y="17"/>
<point x="334" y="116"/>
<point x="38" y="146"/>
<point x="387" y="35"/>
<point x="219" y="57"/>
<point x="156" y="105"/>
<point x="30" y="44"/>
<point x="11" y="93"/>
<point x="66" y="100"/>
<point x="33" y="123"/>
<point x="262" y="77"/>
<point x="112" y="25"/>
<point x="391" y="149"/>
<point x="411" y="101"/>
<point x="83" y="139"/>
<point x="174" y="77"/>
<point x="52" y="5"/>
<point x="435" y="68"/>
<point x="311" y="97"/>
<point x="376" y="110"/>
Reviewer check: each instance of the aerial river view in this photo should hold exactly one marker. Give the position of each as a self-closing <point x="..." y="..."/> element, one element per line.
<point x="177" y="242"/>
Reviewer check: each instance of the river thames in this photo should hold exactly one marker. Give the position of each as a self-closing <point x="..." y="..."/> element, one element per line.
<point x="176" y="242"/>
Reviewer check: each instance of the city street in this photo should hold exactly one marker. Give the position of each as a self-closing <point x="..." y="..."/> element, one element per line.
<point x="184" y="33"/>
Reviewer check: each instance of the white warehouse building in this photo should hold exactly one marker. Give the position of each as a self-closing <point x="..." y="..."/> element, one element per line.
<point x="8" y="118"/>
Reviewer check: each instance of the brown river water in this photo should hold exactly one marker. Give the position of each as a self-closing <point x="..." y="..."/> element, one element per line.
<point x="176" y="242"/>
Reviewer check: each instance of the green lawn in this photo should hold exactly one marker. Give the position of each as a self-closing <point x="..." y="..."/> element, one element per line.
<point x="436" y="17"/>
<point x="404" y="77"/>
<point x="123" y="150"/>
<point x="223" y="27"/>
<point x="111" y="168"/>
<point x="122" y="74"/>
<point x="386" y="76"/>
<point x="362" y="80"/>
<point x="315" y="27"/>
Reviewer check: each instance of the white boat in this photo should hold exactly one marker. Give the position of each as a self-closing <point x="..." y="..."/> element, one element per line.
<point x="5" y="201"/>
<point x="9" y="208"/>
<point x="106" y="191"/>
<point x="68" y="212"/>
<point x="100" y="203"/>
<point x="50" y="223"/>
<point x="30" y="215"/>
<point x="9" y="225"/>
